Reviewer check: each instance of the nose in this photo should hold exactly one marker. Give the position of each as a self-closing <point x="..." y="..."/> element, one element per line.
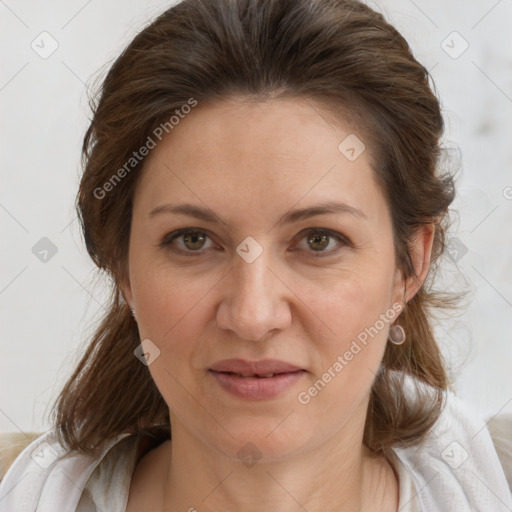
<point x="255" y="301"/>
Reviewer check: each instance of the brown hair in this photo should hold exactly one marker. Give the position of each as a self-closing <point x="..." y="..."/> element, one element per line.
<point x="338" y="52"/>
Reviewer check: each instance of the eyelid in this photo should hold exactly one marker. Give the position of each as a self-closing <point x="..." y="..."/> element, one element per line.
<point x="342" y="240"/>
<point x="170" y="237"/>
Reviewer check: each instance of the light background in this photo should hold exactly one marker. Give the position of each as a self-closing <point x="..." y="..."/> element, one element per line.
<point x="48" y="309"/>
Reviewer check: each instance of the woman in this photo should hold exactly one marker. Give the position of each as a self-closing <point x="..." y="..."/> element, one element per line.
<point x="261" y="184"/>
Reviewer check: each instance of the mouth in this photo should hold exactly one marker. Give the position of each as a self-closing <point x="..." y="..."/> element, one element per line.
<point x="255" y="375"/>
<point x="262" y="368"/>
<point x="267" y="379"/>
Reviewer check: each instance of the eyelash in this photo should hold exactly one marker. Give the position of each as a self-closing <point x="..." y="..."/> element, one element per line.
<point x="169" y="238"/>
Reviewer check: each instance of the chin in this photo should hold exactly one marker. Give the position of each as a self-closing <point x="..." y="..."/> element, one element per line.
<point x="265" y="439"/>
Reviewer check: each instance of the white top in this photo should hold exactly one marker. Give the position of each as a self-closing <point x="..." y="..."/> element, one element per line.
<point x="455" y="469"/>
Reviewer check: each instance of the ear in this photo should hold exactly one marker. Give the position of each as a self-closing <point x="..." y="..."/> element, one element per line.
<point x="420" y="250"/>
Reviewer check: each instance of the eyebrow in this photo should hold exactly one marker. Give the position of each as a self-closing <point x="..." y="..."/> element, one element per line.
<point x="206" y="214"/>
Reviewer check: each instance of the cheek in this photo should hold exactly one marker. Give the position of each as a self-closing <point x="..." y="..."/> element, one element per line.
<point x="352" y="303"/>
<point x="172" y="313"/>
<point x="350" y="355"/>
<point x="173" y="310"/>
<point x="165" y="295"/>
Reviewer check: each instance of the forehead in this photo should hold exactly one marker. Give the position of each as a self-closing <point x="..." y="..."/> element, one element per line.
<point x="278" y="151"/>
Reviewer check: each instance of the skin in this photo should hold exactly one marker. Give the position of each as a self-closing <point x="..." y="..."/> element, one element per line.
<point x="252" y="162"/>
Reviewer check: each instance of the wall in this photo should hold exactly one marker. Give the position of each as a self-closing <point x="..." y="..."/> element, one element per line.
<point x="49" y="294"/>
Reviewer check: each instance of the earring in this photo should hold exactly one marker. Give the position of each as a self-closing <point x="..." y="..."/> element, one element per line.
<point x="133" y="312"/>
<point x="396" y="334"/>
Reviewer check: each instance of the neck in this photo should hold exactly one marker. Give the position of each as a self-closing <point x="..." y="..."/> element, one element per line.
<point x="339" y="475"/>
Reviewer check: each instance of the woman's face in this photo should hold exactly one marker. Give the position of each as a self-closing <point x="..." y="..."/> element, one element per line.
<point x="267" y="273"/>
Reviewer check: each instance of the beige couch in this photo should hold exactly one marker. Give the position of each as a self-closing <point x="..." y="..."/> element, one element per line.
<point x="500" y="428"/>
<point x="11" y="445"/>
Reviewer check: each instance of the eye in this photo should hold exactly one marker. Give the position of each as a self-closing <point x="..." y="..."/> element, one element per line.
<point x="322" y="241"/>
<point x="187" y="240"/>
<point x="319" y="241"/>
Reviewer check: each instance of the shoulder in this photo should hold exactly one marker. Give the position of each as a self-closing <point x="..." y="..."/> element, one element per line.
<point x="46" y="476"/>
<point x="456" y="465"/>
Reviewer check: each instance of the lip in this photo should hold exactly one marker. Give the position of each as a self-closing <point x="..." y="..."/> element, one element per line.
<point x="261" y="367"/>
<point x="227" y="373"/>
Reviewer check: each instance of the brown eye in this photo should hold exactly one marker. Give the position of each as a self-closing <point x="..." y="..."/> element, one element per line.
<point x="323" y="242"/>
<point x="194" y="240"/>
<point x="187" y="241"/>
<point x="318" y="242"/>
